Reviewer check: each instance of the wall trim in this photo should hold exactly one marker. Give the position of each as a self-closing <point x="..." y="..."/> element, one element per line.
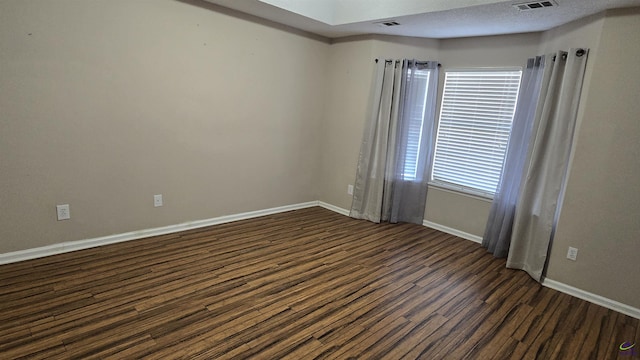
<point x="452" y="231"/>
<point x="333" y="208"/>
<point x="69" y="246"/>
<point x="446" y="229"/>
<point x="592" y="298"/>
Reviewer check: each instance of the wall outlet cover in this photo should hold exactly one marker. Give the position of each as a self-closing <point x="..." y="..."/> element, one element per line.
<point x="63" y="212"/>
<point x="157" y="200"/>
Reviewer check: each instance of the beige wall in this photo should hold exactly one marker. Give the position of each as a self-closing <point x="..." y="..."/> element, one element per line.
<point x="601" y="211"/>
<point x="581" y="33"/>
<point x="347" y="93"/>
<point x="105" y="103"/>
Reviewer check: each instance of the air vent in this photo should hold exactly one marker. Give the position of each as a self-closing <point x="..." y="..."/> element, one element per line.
<point x="387" y="23"/>
<point x="535" y="5"/>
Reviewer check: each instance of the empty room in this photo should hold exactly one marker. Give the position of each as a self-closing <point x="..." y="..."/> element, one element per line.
<point x="319" y="179"/>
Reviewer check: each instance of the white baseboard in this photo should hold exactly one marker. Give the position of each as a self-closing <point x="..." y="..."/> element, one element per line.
<point x="592" y="298"/>
<point x="452" y="231"/>
<point x="333" y="208"/>
<point x="426" y="223"/>
<point x="69" y="246"/>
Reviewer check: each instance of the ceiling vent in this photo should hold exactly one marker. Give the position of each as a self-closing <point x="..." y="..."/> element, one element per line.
<point x="535" y="5"/>
<point x="387" y="23"/>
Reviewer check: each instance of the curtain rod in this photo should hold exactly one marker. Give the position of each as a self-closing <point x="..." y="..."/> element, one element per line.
<point x="417" y="62"/>
<point x="579" y="53"/>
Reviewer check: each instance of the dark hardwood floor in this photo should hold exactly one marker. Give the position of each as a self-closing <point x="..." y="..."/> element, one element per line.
<point x="307" y="284"/>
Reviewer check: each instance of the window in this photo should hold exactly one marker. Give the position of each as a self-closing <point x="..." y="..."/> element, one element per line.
<point x="473" y="130"/>
<point x="416" y="123"/>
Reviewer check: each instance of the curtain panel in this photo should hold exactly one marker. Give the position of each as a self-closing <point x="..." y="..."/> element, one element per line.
<point x="526" y="206"/>
<point x="497" y="235"/>
<point x="396" y="149"/>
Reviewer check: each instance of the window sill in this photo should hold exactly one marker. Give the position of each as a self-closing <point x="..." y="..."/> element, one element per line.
<point x="463" y="192"/>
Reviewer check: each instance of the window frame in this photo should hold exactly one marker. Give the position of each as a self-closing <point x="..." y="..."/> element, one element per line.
<point x="459" y="188"/>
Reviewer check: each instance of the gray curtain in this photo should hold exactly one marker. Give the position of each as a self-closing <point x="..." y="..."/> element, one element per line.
<point x="383" y="191"/>
<point x="497" y="234"/>
<point x="545" y="166"/>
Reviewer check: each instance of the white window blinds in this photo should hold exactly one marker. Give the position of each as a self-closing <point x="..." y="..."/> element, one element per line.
<point x="474" y="126"/>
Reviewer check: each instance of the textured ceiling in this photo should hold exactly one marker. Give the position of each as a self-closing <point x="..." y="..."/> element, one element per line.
<point x="420" y="18"/>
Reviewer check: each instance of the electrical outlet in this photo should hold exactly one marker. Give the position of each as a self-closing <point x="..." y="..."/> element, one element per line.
<point x="572" y="254"/>
<point x="157" y="200"/>
<point x="350" y="189"/>
<point x="63" y="211"/>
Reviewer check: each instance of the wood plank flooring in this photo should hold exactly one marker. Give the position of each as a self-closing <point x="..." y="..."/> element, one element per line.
<point x="307" y="284"/>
